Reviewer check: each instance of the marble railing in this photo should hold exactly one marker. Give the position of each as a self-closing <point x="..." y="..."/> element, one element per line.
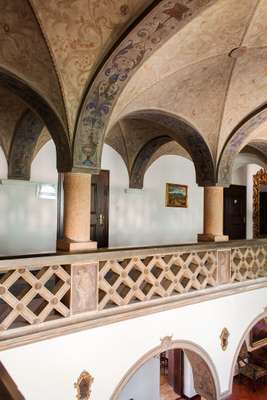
<point x="49" y="295"/>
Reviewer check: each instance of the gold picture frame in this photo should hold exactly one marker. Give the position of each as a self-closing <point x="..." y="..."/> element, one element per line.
<point x="260" y="178"/>
<point x="176" y="195"/>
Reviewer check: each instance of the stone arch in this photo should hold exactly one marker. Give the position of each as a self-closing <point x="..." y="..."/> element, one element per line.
<point x="27" y="132"/>
<point x="253" y="149"/>
<point x="185" y="135"/>
<point x="237" y="140"/>
<point x="45" y="111"/>
<point x="243" y="338"/>
<point x="206" y="379"/>
<point x="142" y="159"/>
<point x="162" y="22"/>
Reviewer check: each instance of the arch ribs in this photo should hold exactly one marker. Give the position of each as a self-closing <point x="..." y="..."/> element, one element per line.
<point x="167" y="18"/>
<point x="23" y="144"/>
<point x="185" y="135"/>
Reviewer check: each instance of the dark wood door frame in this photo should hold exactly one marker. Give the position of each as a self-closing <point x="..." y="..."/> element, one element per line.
<point x="235" y="210"/>
<point x="263" y="214"/>
<point x="176" y="370"/>
<point x="100" y="209"/>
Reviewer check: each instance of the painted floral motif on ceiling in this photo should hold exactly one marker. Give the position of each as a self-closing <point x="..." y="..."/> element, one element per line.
<point x="79" y="33"/>
<point x="158" y="26"/>
<point x="24" y="51"/>
<point x="11" y="109"/>
<point x="128" y="138"/>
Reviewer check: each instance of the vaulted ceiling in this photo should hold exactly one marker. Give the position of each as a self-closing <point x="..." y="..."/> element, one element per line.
<point x="212" y="72"/>
<point x="205" y="62"/>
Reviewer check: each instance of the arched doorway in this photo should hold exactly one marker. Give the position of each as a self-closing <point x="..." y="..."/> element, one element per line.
<point x="249" y="368"/>
<point x="206" y="382"/>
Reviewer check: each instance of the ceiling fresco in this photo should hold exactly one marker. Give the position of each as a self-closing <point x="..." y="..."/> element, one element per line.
<point x="97" y="63"/>
<point x="129" y="136"/>
<point x="79" y="33"/>
<point x="11" y="110"/>
<point x="24" y="52"/>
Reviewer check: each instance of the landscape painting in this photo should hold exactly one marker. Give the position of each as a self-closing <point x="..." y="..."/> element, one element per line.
<point x="176" y="195"/>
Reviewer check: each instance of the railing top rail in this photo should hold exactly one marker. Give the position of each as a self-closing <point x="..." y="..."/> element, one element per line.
<point x="35" y="260"/>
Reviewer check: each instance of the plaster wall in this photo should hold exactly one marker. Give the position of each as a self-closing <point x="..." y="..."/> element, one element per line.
<point x="145" y="384"/>
<point x="108" y="352"/>
<point x="28" y="224"/>
<point x="189" y="388"/>
<point x="139" y="217"/>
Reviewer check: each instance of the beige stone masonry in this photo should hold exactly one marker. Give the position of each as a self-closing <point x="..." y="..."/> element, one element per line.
<point x="77" y="207"/>
<point x="213" y="215"/>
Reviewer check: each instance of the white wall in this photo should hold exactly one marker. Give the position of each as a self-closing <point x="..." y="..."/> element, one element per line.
<point x="28" y="224"/>
<point x="189" y="388"/>
<point x="140" y="217"/>
<point x="3" y="165"/>
<point x="136" y="218"/>
<point x="48" y="369"/>
<point x="145" y="384"/>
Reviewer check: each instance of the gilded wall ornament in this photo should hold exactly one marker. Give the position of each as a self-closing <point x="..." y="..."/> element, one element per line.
<point x="224" y="336"/>
<point x="83" y="386"/>
<point x="259" y="179"/>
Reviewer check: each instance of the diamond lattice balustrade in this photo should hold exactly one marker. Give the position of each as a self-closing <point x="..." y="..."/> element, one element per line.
<point x="248" y="263"/>
<point x="123" y="282"/>
<point x="28" y="297"/>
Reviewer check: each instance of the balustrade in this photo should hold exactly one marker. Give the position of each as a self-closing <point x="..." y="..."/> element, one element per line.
<point x="45" y="296"/>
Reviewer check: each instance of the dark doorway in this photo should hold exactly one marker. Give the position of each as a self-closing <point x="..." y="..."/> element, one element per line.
<point x="172" y="373"/>
<point x="100" y="209"/>
<point x="263" y="213"/>
<point x="235" y="209"/>
<point x="176" y="370"/>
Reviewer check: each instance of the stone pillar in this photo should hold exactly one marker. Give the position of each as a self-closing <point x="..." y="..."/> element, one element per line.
<point x="213" y="215"/>
<point x="77" y="209"/>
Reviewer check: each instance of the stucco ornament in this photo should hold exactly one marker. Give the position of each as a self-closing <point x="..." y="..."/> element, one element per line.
<point x="83" y="386"/>
<point x="224" y="337"/>
<point x="166" y="342"/>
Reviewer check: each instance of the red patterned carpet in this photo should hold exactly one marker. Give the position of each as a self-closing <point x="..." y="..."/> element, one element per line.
<point x="245" y="392"/>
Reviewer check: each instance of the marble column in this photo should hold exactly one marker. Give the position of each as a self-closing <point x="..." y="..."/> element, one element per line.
<point x="213" y="215"/>
<point x="77" y="208"/>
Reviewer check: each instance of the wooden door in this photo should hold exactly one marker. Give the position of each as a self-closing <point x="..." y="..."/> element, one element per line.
<point x="263" y="213"/>
<point x="235" y="209"/>
<point x="176" y="370"/>
<point x="100" y="208"/>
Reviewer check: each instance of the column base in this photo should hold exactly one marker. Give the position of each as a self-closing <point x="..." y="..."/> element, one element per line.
<point x="209" y="237"/>
<point x="70" y="245"/>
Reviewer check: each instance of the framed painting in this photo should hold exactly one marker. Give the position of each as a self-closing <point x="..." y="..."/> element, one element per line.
<point x="176" y="195"/>
<point x="258" y="334"/>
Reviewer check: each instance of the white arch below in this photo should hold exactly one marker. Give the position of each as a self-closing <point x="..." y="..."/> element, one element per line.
<point x="176" y="344"/>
